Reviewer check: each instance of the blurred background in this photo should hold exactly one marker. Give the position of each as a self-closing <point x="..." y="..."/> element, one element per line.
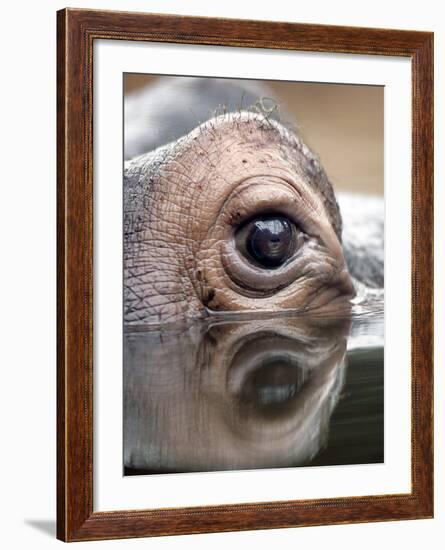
<point x="342" y="123"/>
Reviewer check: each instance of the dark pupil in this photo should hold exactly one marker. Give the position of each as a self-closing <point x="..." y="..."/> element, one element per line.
<point x="269" y="241"/>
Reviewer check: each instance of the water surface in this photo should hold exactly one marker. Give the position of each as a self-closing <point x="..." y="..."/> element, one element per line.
<point x="243" y="393"/>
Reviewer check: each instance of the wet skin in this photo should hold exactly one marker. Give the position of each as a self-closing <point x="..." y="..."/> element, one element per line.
<point x="238" y="215"/>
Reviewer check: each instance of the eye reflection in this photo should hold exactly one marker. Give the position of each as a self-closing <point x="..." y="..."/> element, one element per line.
<point x="269" y="241"/>
<point x="271" y="388"/>
<point x="254" y="393"/>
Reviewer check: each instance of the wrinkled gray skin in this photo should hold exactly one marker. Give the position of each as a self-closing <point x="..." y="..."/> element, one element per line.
<point x="185" y="200"/>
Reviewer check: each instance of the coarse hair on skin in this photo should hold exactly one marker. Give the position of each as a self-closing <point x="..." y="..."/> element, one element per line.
<point x="266" y="119"/>
<point x="262" y="116"/>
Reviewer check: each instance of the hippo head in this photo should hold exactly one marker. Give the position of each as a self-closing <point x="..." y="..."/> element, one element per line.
<point x="237" y="215"/>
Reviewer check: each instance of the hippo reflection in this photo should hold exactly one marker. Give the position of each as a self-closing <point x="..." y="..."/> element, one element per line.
<point x="232" y="395"/>
<point x="238" y="214"/>
<point x="232" y="225"/>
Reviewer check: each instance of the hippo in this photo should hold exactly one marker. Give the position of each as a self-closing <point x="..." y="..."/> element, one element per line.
<point x="236" y="213"/>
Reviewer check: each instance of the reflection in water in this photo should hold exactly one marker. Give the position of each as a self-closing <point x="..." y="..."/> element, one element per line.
<point x="261" y="393"/>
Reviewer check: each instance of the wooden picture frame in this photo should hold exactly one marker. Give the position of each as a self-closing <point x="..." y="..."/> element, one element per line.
<point x="76" y="32"/>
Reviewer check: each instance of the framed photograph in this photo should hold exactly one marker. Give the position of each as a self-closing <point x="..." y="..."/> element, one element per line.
<point x="245" y="230"/>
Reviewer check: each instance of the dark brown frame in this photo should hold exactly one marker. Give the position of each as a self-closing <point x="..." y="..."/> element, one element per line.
<point x="76" y="32"/>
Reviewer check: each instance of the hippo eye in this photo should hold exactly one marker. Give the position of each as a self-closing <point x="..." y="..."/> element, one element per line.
<point x="269" y="241"/>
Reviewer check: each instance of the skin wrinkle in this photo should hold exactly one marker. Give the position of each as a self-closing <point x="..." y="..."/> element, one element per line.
<point x="175" y="202"/>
